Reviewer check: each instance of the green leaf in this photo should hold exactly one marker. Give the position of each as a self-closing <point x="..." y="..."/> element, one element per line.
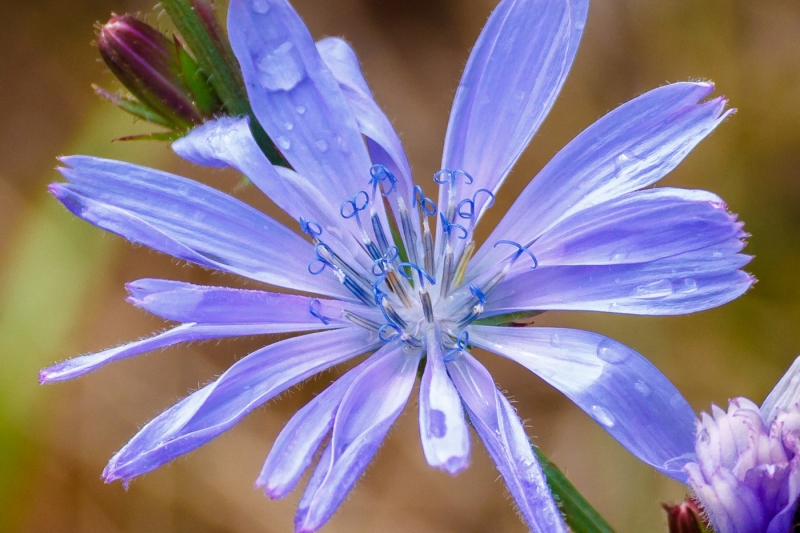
<point x="579" y="514"/>
<point x="158" y="136"/>
<point x="133" y="106"/>
<point x="203" y="35"/>
<point x="521" y="318"/>
<point x="206" y="99"/>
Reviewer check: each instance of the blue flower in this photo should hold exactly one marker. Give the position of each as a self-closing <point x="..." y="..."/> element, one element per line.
<point x="388" y="270"/>
<point x="747" y="474"/>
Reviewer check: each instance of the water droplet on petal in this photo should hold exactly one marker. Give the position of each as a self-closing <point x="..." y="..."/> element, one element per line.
<point x="612" y="352"/>
<point x="643" y="388"/>
<point x="283" y="143"/>
<point x="288" y="126"/>
<point x="657" y="289"/>
<point x="717" y="254"/>
<point x="322" y="145"/>
<point x="281" y="69"/>
<point x="613" y="307"/>
<point x="301" y="110"/>
<point x="260" y="6"/>
<point x="677" y="400"/>
<point x="602" y="415"/>
<point x="618" y="257"/>
<point x="555" y="340"/>
<point x="688" y="286"/>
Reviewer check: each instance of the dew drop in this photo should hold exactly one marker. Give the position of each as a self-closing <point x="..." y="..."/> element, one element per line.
<point x="618" y="257"/>
<point x="717" y="254"/>
<point x="688" y="286"/>
<point x="677" y="401"/>
<point x="437" y="423"/>
<point x="281" y="69"/>
<point x="283" y="143"/>
<point x="555" y="340"/>
<point x="613" y="307"/>
<point x="643" y="388"/>
<point x="260" y="6"/>
<point x="657" y="289"/>
<point x="301" y="110"/>
<point x="612" y="352"/>
<point x="623" y="162"/>
<point x="602" y="415"/>
<point x="288" y="126"/>
<point x="322" y="145"/>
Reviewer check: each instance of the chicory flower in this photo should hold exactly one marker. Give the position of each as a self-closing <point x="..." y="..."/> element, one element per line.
<point x="747" y="473"/>
<point x="387" y="270"/>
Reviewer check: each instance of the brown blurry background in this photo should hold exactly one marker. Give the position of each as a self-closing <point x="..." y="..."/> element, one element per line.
<point x="61" y="281"/>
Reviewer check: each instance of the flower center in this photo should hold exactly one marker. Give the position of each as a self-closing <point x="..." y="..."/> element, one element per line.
<point x="413" y="280"/>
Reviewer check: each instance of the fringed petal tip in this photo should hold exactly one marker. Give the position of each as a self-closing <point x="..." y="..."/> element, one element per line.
<point x="273" y="492"/>
<point x="58" y="372"/>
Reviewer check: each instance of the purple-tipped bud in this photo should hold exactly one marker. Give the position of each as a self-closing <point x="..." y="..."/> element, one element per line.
<point x="149" y="65"/>
<point x="685" y="517"/>
<point x="747" y="474"/>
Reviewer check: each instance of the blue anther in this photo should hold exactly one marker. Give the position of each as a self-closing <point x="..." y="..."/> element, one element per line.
<point x="350" y="208"/>
<point x="420" y="271"/>
<point x="428" y="206"/>
<point x="461" y="345"/>
<point x="380" y="173"/>
<point x="520" y="250"/>
<point x="477" y="293"/>
<point x="321" y="261"/>
<point x="315" y="308"/>
<point x="448" y="226"/>
<point x="395" y="329"/>
<point x="310" y="228"/>
<point x="469" y="213"/>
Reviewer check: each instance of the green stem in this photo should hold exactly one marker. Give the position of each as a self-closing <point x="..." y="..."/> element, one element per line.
<point x="579" y="514"/>
<point x="203" y="35"/>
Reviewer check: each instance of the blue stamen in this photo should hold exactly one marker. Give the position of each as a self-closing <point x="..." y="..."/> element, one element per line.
<point x="351" y="208"/>
<point x="427" y="205"/>
<point x="520" y="251"/>
<point x="461" y="345"/>
<point x="451" y="176"/>
<point x="477" y="293"/>
<point x="315" y="308"/>
<point x="420" y="271"/>
<point x="397" y="332"/>
<point x="310" y="228"/>
<point x="448" y="226"/>
<point x="380" y="173"/>
<point x="470" y="202"/>
<point x="320" y="260"/>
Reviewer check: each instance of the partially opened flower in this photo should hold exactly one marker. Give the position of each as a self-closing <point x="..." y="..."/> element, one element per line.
<point x="747" y="474"/>
<point x="375" y="277"/>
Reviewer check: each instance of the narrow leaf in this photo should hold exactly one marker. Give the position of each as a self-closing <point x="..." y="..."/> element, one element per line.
<point x="579" y="514"/>
<point x="132" y="106"/>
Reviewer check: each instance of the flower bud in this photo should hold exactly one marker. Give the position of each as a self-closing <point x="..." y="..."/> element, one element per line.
<point x="747" y="474"/>
<point x="685" y="517"/>
<point x="157" y="71"/>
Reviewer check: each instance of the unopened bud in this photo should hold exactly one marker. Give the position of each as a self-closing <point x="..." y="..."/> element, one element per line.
<point x="685" y="517"/>
<point x="157" y="71"/>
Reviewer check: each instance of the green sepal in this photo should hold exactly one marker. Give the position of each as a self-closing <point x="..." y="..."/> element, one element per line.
<point x="520" y="318"/>
<point x="205" y="97"/>
<point x="133" y="106"/>
<point x="203" y="35"/>
<point x="578" y="513"/>
<point x="158" y="136"/>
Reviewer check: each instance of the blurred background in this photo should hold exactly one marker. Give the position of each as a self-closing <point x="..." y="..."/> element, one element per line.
<point x="61" y="281"/>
